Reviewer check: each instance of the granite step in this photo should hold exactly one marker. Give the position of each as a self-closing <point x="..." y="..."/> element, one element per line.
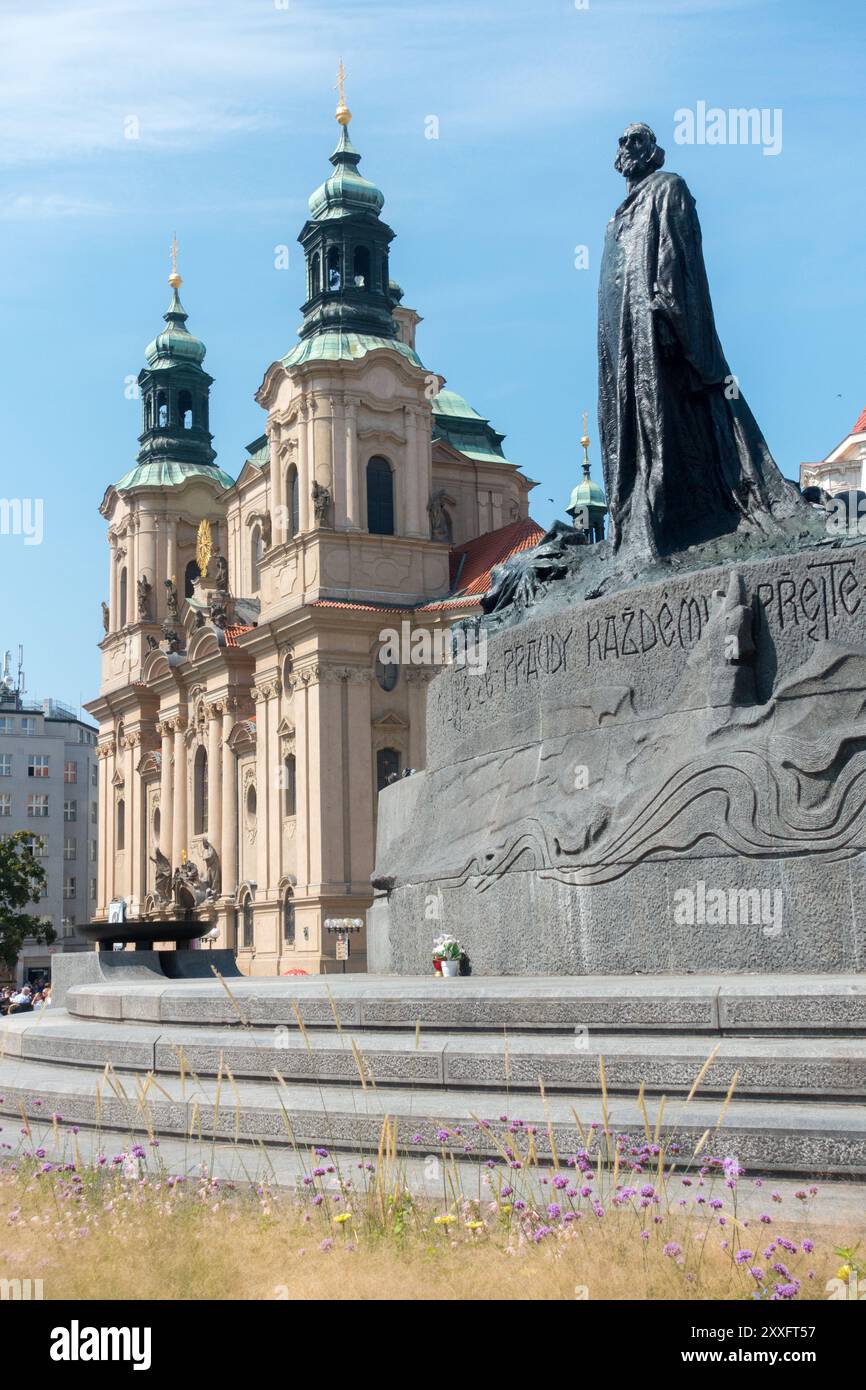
<point x="810" y="1137"/>
<point x="769" y="1066"/>
<point x="691" y="1004"/>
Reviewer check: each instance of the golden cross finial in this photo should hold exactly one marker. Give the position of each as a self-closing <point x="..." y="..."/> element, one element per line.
<point x="344" y="115"/>
<point x="585" y="441"/>
<point x="174" y="279"/>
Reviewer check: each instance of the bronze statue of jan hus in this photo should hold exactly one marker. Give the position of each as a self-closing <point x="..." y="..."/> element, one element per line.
<point x="684" y="460"/>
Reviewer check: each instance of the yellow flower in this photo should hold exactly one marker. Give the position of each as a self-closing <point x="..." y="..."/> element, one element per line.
<point x="475" y="1225"/>
<point x="444" y="1220"/>
<point x="843" y="1272"/>
<point x="344" y="1216"/>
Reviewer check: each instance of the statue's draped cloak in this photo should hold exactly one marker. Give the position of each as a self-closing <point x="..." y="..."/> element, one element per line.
<point x="684" y="459"/>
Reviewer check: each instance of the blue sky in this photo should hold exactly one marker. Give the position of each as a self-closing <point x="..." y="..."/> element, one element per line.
<point x="234" y="109"/>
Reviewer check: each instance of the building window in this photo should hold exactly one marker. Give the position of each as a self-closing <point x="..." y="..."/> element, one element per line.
<point x="293" y="495"/>
<point x="289" y="799"/>
<point x="38" y="846"/>
<point x="247" y="916"/>
<point x="387" y="673"/>
<point x="70" y="810"/>
<point x="289" y="918"/>
<point x="93" y="851"/>
<point x="28" y="726"/>
<point x="93" y="890"/>
<point x="70" y="772"/>
<point x="184" y="406"/>
<point x="121" y="825"/>
<point x="94" y="812"/>
<point x="5" y="804"/>
<point x="380" y="497"/>
<point x="37" y="765"/>
<point x="387" y="767"/>
<point x="6" y="724"/>
<point x="37" y="805"/>
<point x="161" y="410"/>
<point x="5" y="764"/>
<point x="335" y="280"/>
<point x="94" y="777"/>
<point x="70" y="848"/>
<point x="315" y="274"/>
<point x="200" y="793"/>
<point x="69" y="889"/>
<point x="256" y="559"/>
<point x="361" y="267"/>
<point x="122" y="600"/>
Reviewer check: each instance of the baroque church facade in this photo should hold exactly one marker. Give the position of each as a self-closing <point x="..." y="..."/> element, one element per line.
<point x="247" y="720"/>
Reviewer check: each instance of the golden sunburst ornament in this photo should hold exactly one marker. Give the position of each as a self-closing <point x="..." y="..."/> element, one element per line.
<point x="204" y="547"/>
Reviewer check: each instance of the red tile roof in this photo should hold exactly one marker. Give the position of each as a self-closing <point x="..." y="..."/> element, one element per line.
<point x="233" y="633"/>
<point x="365" y="607"/>
<point x="860" y="427"/>
<point x="472" y="563"/>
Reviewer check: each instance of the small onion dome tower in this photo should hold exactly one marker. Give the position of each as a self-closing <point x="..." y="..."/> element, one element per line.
<point x="175" y="391"/>
<point x="588" y="505"/>
<point x="346" y="248"/>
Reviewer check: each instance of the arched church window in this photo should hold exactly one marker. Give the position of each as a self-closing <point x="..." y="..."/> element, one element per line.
<point x="361" y="267"/>
<point x="334" y="277"/>
<point x="247" y="918"/>
<point x="190" y="575"/>
<point x="315" y="274"/>
<point x="120" y="836"/>
<point x="200" y="793"/>
<point x="289" y="918"/>
<point x="380" y="497"/>
<point x="289" y="786"/>
<point x="155" y="826"/>
<point x="256" y="559"/>
<point x="293" y="494"/>
<point x="148" y="412"/>
<point x="251" y="806"/>
<point x="387" y="767"/>
<point x="184" y="406"/>
<point x="122" y="596"/>
<point x="161" y="410"/>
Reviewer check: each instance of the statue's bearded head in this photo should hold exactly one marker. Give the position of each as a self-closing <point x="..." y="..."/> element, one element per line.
<point x="638" y="153"/>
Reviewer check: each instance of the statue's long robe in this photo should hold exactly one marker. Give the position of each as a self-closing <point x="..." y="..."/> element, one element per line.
<point x="684" y="459"/>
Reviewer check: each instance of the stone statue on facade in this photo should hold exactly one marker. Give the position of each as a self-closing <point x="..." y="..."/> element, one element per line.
<point x="440" y="518"/>
<point x="221" y="573"/>
<point x="106" y="617"/>
<point x="218" y="612"/>
<point x="172" y="610"/>
<point x="162" y="887"/>
<point x="321" y="503"/>
<point x="144" y="590"/>
<point x="212" y="868"/>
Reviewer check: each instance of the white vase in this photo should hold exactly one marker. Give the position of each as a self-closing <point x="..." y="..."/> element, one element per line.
<point x="450" y="967"/>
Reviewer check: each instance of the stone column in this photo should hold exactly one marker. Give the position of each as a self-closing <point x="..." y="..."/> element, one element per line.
<point x="305" y="476"/>
<point x="359" y="769"/>
<point x="412" y="483"/>
<point x="113" y="585"/>
<point x="103" y="754"/>
<point x="338" y="454"/>
<point x="353" y="520"/>
<point x="264" y="777"/>
<point x="214" y="777"/>
<point x="166" y="792"/>
<point x="229" y="837"/>
<point x="279" y="519"/>
<point x="170" y="550"/>
<point x="178" y="829"/>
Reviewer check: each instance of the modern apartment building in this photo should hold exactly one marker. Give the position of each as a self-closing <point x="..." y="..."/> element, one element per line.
<point x="48" y="787"/>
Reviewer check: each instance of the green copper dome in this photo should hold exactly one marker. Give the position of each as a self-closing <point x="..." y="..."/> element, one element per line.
<point x="346" y="192"/>
<point x="175" y="344"/>
<point x="587" y="494"/>
<point x="168" y="473"/>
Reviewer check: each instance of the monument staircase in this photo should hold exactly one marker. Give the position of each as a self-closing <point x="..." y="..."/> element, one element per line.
<point x="249" y="1075"/>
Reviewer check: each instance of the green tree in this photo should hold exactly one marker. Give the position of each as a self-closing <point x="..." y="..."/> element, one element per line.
<point x="21" y="880"/>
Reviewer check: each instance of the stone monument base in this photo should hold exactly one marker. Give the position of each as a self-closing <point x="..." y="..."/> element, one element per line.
<point x="671" y="778"/>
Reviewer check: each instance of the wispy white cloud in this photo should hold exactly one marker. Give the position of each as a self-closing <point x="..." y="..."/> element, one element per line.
<point x="31" y="207"/>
